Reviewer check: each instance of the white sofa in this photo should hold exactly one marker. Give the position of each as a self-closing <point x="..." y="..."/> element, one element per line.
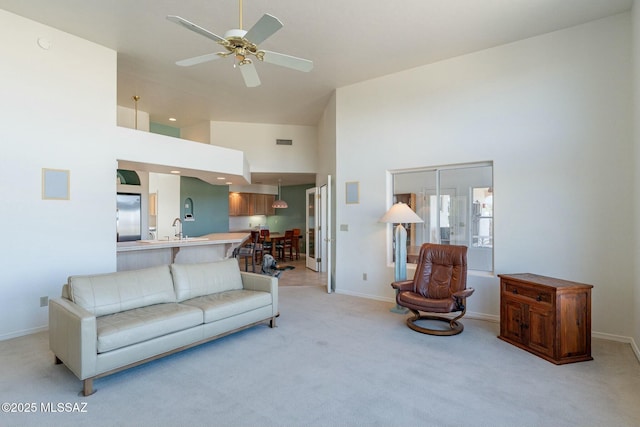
<point x="109" y="322"/>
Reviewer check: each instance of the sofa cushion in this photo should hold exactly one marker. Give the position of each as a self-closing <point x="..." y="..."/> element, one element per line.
<point x="103" y="294"/>
<point x="141" y="324"/>
<point x="230" y="303"/>
<point x="194" y="280"/>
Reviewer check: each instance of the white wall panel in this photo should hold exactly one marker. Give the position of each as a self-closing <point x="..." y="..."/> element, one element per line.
<point x="553" y="113"/>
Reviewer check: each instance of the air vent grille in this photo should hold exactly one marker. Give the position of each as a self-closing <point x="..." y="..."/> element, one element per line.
<point x="284" y="142"/>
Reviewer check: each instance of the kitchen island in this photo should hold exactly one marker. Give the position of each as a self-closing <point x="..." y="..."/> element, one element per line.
<point x="151" y="253"/>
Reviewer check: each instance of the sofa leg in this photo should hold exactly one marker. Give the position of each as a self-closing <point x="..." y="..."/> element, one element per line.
<point x="272" y="322"/>
<point x="87" y="387"/>
<point x="58" y="361"/>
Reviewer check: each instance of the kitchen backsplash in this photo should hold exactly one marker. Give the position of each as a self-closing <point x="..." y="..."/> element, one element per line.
<point x="237" y="223"/>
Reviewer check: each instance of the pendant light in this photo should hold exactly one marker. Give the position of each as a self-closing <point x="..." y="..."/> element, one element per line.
<point x="136" y="98"/>
<point x="279" y="204"/>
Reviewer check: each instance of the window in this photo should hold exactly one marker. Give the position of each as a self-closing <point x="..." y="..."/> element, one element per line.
<point x="456" y="204"/>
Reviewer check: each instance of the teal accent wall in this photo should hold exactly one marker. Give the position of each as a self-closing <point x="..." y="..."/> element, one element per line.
<point x="164" y="129"/>
<point x="210" y="207"/>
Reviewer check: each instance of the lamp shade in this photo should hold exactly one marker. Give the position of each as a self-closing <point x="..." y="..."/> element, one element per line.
<point x="401" y="213"/>
<point x="279" y="204"/>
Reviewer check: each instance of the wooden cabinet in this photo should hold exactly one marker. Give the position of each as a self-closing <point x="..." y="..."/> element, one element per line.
<point x="548" y="317"/>
<point x="262" y="204"/>
<point x="247" y="204"/>
<point x="240" y="204"/>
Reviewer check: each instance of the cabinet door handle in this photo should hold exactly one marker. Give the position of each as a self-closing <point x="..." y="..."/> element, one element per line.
<point x="538" y="298"/>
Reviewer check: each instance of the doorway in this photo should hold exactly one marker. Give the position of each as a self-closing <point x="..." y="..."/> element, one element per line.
<point x="318" y="229"/>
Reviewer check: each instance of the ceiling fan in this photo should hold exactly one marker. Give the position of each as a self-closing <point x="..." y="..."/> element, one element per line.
<point x="244" y="44"/>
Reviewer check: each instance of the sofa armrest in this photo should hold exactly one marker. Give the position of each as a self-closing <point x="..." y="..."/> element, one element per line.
<point x="73" y="336"/>
<point x="264" y="283"/>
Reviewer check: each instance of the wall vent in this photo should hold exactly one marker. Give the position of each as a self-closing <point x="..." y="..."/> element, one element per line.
<point x="284" y="142"/>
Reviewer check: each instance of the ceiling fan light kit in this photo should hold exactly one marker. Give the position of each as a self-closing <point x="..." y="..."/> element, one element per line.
<point x="243" y="44"/>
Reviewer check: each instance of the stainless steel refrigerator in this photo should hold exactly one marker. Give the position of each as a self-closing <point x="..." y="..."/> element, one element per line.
<point x="128" y="217"/>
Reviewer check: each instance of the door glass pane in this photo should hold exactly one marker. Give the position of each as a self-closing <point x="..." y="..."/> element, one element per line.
<point x="311" y="225"/>
<point x="482" y="218"/>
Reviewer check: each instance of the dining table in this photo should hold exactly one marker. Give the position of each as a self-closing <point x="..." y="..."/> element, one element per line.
<point x="275" y="238"/>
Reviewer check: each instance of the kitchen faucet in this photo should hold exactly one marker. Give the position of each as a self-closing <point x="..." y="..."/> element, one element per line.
<point x="178" y="233"/>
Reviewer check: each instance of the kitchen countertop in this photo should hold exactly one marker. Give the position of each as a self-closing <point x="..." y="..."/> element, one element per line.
<point x="208" y="239"/>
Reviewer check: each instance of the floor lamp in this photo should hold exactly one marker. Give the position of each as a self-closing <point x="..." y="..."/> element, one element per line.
<point x="400" y="213"/>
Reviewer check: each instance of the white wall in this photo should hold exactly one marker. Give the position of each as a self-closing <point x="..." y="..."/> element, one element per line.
<point x="327" y="166"/>
<point x="200" y="132"/>
<point x="58" y="107"/>
<point x="59" y="111"/>
<point x="167" y="188"/>
<point x="126" y="117"/>
<point x="636" y="120"/>
<point x="553" y="113"/>
<point x="258" y="142"/>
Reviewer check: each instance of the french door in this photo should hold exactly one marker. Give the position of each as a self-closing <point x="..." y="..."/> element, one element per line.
<point x="325" y="231"/>
<point x="313" y="225"/>
<point x="318" y="242"/>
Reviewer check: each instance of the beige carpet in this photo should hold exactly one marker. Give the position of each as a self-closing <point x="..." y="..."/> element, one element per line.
<point x="334" y="360"/>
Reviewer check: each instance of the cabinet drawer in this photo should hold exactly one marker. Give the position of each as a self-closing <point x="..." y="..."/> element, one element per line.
<point x="530" y="293"/>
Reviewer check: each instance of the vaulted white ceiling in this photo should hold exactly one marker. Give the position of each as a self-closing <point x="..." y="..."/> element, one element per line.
<point x="348" y="41"/>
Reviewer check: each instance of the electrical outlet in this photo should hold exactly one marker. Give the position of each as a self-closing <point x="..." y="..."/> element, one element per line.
<point x="364" y="276"/>
<point x="44" y="301"/>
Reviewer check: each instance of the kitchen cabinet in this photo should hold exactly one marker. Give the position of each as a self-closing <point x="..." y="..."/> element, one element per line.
<point x="247" y="204"/>
<point x="548" y="317"/>
<point x="262" y="204"/>
<point x="240" y="204"/>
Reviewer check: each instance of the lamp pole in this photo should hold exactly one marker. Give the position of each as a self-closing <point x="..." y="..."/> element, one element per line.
<point x="400" y="271"/>
<point x="400" y="213"/>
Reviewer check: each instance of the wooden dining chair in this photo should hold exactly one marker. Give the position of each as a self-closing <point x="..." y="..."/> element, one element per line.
<point x="285" y="244"/>
<point x="257" y="246"/>
<point x="249" y="251"/>
<point x="296" y="242"/>
<point x="267" y="245"/>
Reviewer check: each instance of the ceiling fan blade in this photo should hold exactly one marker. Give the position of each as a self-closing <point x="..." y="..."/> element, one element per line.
<point x="263" y="29"/>
<point x="195" y="28"/>
<point x="287" y="61"/>
<point x="198" y="59"/>
<point x="250" y="75"/>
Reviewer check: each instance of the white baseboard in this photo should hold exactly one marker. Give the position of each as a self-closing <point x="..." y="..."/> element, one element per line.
<point x="24" y="332"/>
<point x="619" y="338"/>
<point x="482" y="316"/>
<point x="636" y="350"/>
<point x="611" y="337"/>
<point x="367" y="296"/>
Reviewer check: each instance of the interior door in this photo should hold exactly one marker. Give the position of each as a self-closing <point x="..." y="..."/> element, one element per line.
<point x="313" y="256"/>
<point x="325" y="227"/>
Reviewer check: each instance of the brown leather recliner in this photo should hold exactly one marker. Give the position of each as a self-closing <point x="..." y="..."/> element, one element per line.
<point x="438" y="286"/>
